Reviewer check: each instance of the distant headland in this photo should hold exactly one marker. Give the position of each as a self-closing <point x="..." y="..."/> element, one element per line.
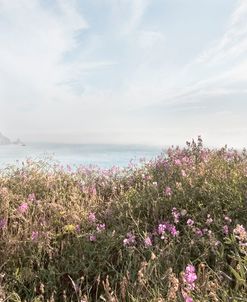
<point x="4" y="140"/>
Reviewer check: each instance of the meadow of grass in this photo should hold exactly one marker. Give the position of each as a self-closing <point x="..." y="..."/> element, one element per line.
<point x="172" y="229"/>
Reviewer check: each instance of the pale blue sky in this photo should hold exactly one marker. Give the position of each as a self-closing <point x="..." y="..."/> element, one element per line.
<point x="124" y="71"/>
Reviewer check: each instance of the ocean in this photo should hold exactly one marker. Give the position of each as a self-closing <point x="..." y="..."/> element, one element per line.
<point x="103" y="156"/>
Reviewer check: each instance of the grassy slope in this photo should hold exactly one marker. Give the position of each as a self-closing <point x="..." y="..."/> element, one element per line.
<point x="126" y="235"/>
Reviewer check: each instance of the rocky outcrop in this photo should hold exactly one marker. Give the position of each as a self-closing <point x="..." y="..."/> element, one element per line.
<point x="4" y="140"/>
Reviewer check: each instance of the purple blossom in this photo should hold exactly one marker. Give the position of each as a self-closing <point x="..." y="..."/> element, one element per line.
<point x="3" y="223"/>
<point x="148" y="241"/>
<point x="174" y="232"/>
<point x="190" y="222"/>
<point x="177" y="162"/>
<point x="31" y="197"/>
<point x="209" y="220"/>
<point x="168" y="191"/>
<point x="176" y="215"/>
<point x="162" y="228"/>
<point x="23" y="208"/>
<point x="227" y="219"/>
<point x="183" y="173"/>
<point x="78" y="228"/>
<point x="226" y="229"/>
<point x="129" y="240"/>
<point x="91" y="217"/>
<point x="198" y="232"/>
<point x="92" y="238"/>
<point x="35" y="235"/>
<point x="100" y="227"/>
<point x="190" y="276"/>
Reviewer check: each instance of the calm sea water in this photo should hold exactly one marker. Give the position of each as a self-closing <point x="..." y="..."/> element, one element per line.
<point x="104" y="156"/>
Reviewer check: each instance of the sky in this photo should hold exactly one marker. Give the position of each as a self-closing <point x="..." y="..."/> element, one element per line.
<point x="124" y="71"/>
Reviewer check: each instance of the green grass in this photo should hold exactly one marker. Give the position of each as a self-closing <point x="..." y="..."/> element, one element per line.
<point x="126" y="234"/>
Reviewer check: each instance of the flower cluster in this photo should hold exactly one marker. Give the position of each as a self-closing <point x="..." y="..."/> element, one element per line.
<point x="129" y="240"/>
<point x="167" y="227"/>
<point x="189" y="278"/>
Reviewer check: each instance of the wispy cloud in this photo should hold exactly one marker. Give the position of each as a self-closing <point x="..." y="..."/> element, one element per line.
<point x="70" y="66"/>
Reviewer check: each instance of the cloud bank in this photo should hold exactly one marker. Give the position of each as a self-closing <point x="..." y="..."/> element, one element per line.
<point x="134" y="71"/>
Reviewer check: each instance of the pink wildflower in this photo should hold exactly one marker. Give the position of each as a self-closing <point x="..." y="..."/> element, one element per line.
<point x="34" y="235"/>
<point x="209" y="220"/>
<point x="168" y="191"/>
<point x="23" y="208"/>
<point x="183" y="173"/>
<point x="198" y="232"/>
<point x="227" y="219"/>
<point x="162" y="228"/>
<point x="190" y="276"/>
<point x="240" y="233"/>
<point x="129" y="240"/>
<point x="92" y="238"/>
<point x="190" y="222"/>
<point x="174" y="232"/>
<point x="176" y="215"/>
<point x="100" y="227"/>
<point x="31" y="197"/>
<point x="91" y="217"/>
<point x="78" y="228"/>
<point x="3" y="223"/>
<point x="148" y="241"/>
<point x="177" y="162"/>
<point x="226" y="229"/>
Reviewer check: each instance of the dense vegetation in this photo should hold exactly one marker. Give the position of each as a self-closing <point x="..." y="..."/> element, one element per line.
<point x="172" y="229"/>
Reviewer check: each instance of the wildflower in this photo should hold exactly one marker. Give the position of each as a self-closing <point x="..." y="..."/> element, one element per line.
<point x="174" y="231"/>
<point x="35" y="235"/>
<point x="190" y="222"/>
<point x="129" y="240"/>
<point x="188" y="299"/>
<point x="3" y="223"/>
<point x="155" y="184"/>
<point x="162" y="228"/>
<point x="31" y="197"/>
<point x="177" y="162"/>
<point x="23" y="208"/>
<point x="92" y="238"/>
<point x="226" y="229"/>
<point x="167" y="227"/>
<point x="93" y="191"/>
<point x="209" y="220"/>
<point x="69" y="228"/>
<point x="100" y="227"/>
<point x="190" y="276"/>
<point x="168" y="191"/>
<point x="240" y="233"/>
<point x="183" y="173"/>
<point x="148" y="241"/>
<point x="227" y="219"/>
<point x="175" y="215"/>
<point x="78" y="228"/>
<point x="91" y="217"/>
<point x="198" y="232"/>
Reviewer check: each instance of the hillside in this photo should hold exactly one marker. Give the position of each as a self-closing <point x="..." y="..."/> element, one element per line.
<point x="173" y="229"/>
